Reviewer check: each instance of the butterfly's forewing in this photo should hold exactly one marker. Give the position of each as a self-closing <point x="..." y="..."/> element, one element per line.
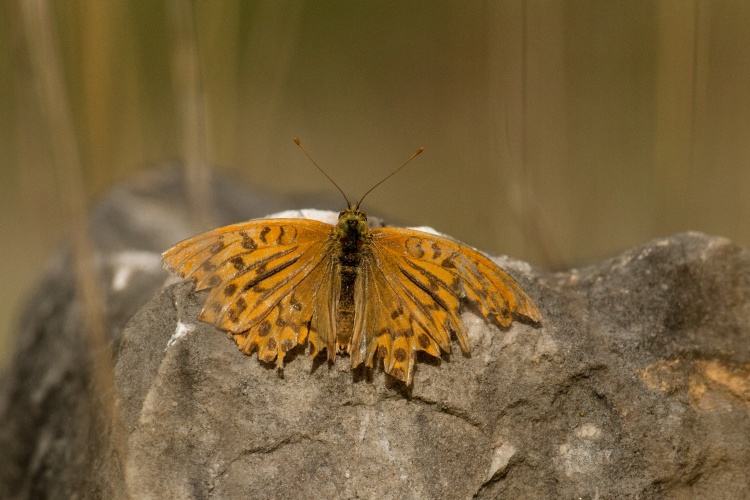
<point x="420" y="280"/>
<point x="254" y="271"/>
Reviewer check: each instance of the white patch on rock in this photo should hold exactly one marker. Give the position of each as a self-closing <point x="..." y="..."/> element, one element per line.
<point x="507" y="263"/>
<point x="125" y="263"/>
<point x="179" y="332"/>
<point x="588" y="431"/>
<point x="545" y="347"/>
<point x="582" y="454"/>
<point x="501" y="456"/>
<point x="363" y="426"/>
<point x="623" y="261"/>
<point x="383" y="441"/>
<point x="477" y="330"/>
<point x="715" y="243"/>
<point x="574" y="277"/>
<point x="385" y="445"/>
<point x="308" y="213"/>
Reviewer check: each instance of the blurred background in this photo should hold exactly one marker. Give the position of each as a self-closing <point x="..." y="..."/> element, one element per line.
<point x="559" y="132"/>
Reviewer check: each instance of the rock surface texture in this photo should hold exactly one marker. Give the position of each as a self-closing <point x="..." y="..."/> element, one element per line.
<point x="635" y="384"/>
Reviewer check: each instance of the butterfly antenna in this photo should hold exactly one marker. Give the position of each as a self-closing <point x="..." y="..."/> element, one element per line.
<point x="296" y="141"/>
<point x="391" y="174"/>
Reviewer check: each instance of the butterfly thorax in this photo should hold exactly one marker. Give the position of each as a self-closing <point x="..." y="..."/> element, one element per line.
<point x="351" y="233"/>
<point x="351" y="230"/>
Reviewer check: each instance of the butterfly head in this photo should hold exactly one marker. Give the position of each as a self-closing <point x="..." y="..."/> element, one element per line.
<point x="352" y="222"/>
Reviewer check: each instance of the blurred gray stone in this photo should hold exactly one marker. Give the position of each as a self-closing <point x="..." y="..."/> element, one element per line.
<point x="635" y="384"/>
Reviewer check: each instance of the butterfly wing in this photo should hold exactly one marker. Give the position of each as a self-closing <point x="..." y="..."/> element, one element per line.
<point x="267" y="279"/>
<point x="415" y="282"/>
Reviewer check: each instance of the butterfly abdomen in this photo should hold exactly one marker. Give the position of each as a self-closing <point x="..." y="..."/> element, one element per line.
<point x="345" y="320"/>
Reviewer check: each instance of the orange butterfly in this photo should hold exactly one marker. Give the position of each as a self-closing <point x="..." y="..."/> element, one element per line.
<point x="385" y="292"/>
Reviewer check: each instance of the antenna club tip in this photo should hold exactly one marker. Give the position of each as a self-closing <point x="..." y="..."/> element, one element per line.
<point x="296" y="141"/>
<point x="421" y="148"/>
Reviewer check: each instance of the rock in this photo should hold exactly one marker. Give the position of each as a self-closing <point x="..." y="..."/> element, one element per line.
<point x="635" y="384"/>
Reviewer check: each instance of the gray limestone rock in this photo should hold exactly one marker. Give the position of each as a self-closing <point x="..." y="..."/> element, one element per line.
<point x="636" y="383"/>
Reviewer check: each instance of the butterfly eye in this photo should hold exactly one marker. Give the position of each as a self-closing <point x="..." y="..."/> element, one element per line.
<point x="341" y="214"/>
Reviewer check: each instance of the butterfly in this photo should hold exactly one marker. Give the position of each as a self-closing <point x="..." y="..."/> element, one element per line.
<point x="384" y="293"/>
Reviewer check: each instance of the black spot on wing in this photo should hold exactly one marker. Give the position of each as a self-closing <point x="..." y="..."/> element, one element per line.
<point x="264" y="328"/>
<point x="436" y="252"/>
<point x="424" y="342"/>
<point x="263" y="234"/>
<point x="400" y="354"/>
<point x="448" y="262"/>
<point x="414" y="247"/>
<point x="241" y="304"/>
<point x="247" y="242"/>
<point x="217" y="247"/>
<point x="238" y="263"/>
